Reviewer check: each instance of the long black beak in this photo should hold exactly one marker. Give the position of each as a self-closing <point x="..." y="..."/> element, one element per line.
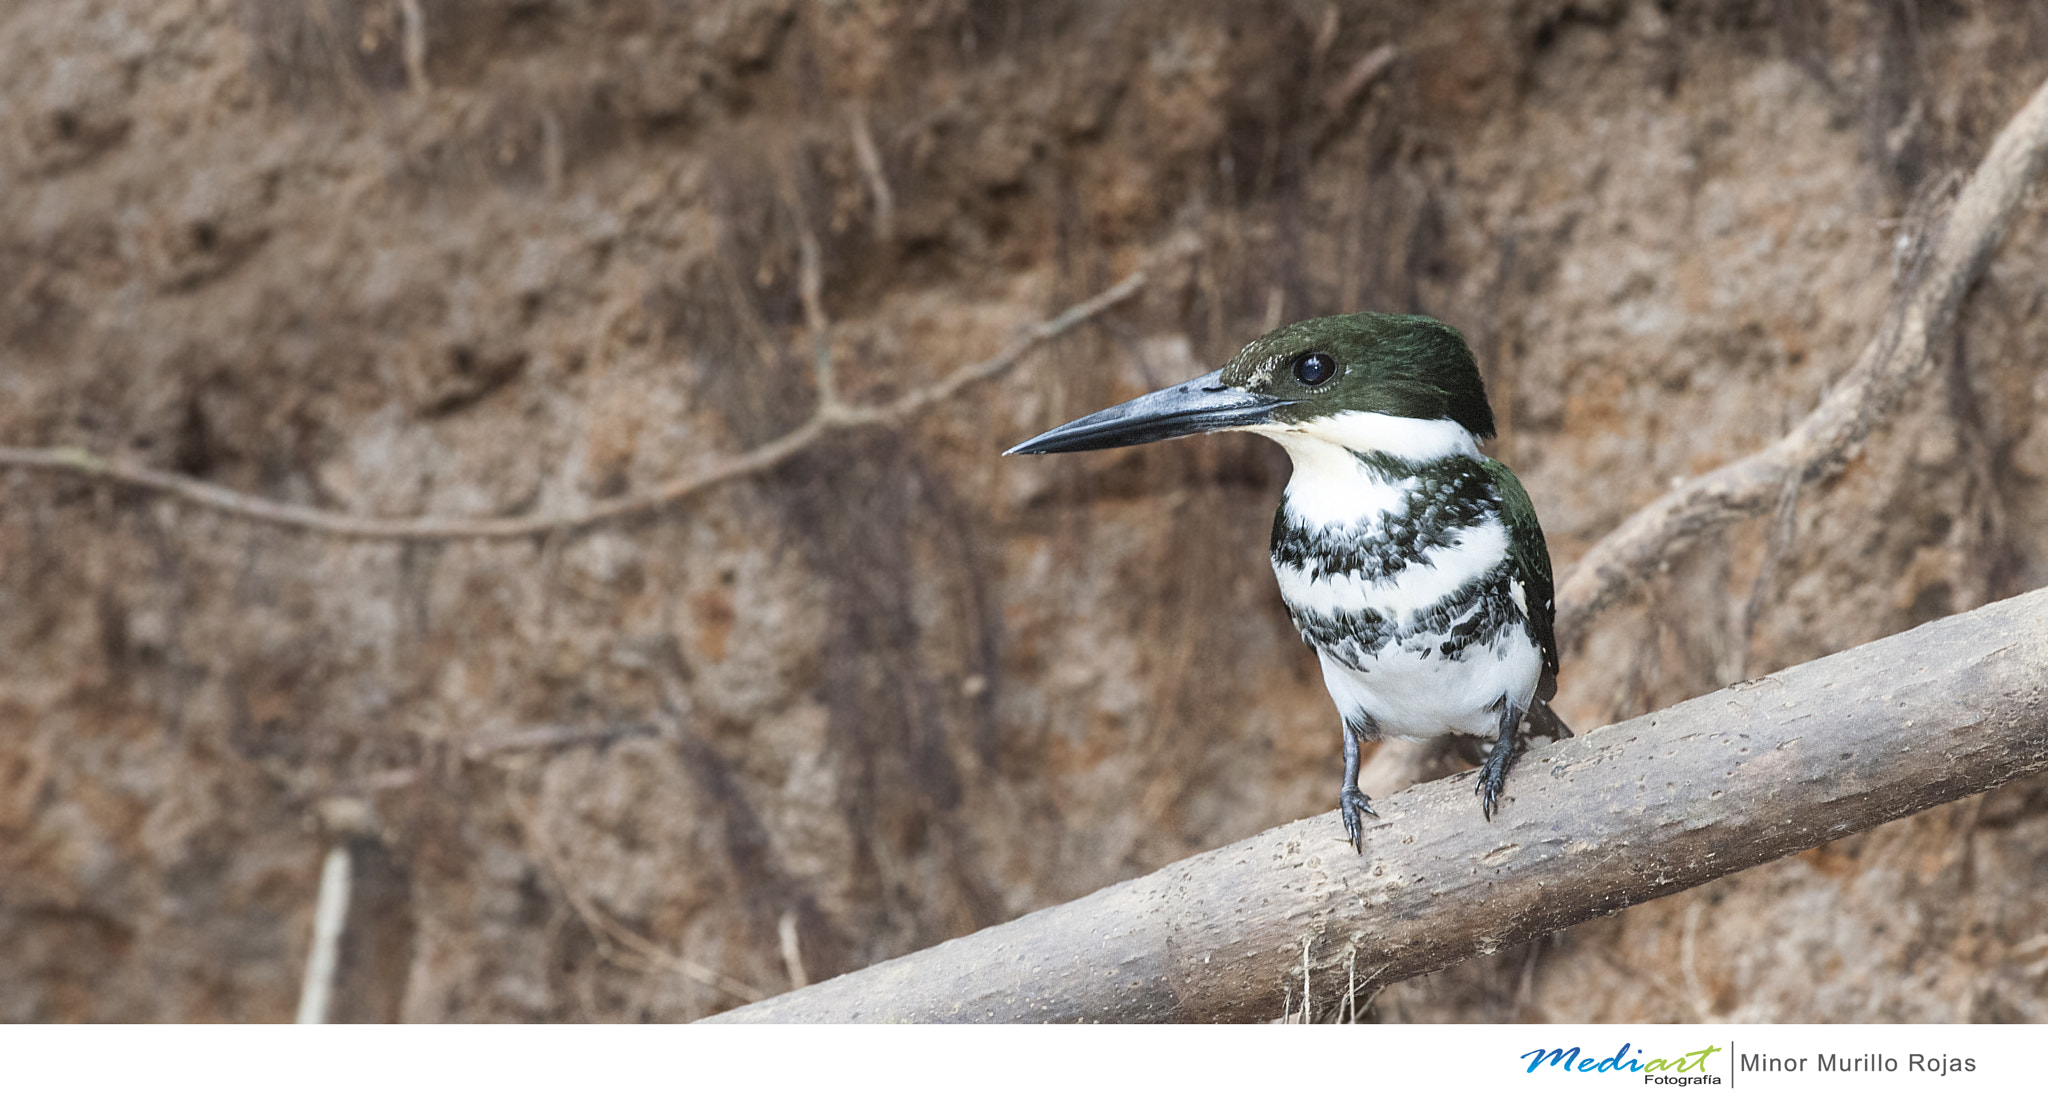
<point x="1199" y="406"/>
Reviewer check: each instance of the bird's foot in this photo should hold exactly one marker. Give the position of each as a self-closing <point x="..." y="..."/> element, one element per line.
<point x="1493" y="774"/>
<point x="1493" y="778"/>
<point x="1351" y="802"/>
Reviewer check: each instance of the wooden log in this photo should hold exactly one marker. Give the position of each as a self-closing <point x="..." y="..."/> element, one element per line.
<point x="1627" y="813"/>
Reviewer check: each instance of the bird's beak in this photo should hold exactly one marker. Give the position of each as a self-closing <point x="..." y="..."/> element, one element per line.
<point x="1201" y="405"/>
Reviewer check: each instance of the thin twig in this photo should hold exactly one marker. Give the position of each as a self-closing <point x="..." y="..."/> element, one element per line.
<point x="1700" y="1006"/>
<point x="1783" y="526"/>
<point x="346" y="820"/>
<point x="1307" y="989"/>
<point x="1350" y="1013"/>
<point x="751" y="462"/>
<point x="1525" y="985"/>
<point x="330" y="910"/>
<point x="1896" y="358"/>
<point x="492" y="742"/>
<point x="792" y="951"/>
<point x="397" y="778"/>
<point x="810" y="285"/>
<point x="870" y="160"/>
<point x="1367" y="70"/>
<point x="415" y="46"/>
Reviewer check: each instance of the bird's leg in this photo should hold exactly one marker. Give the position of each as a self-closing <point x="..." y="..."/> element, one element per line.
<point x="1351" y="801"/>
<point x="1493" y="775"/>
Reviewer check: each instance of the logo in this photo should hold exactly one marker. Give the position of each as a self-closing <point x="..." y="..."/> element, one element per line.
<point x="1689" y="1069"/>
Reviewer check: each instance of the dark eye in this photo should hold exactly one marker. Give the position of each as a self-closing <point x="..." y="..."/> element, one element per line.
<point x="1314" y="368"/>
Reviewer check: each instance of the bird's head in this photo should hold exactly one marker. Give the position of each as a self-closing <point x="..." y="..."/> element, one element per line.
<point x="1405" y="384"/>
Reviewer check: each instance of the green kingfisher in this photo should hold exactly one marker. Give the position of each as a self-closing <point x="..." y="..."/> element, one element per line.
<point x="1410" y="562"/>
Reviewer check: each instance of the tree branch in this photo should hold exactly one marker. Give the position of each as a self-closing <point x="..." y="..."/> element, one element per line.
<point x="1630" y="812"/>
<point x="870" y="160"/>
<point x="1896" y="358"/>
<point x="323" y="955"/>
<point x="829" y="418"/>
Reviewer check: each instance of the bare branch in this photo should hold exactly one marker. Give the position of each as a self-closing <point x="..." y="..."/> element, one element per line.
<point x="810" y="284"/>
<point x="752" y="462"/>
<point x="1630" y="812"/>
<point x="415" y="46"/>
<point x="347" y="821"/>
<point x="1744" y="631"/>
<point x="323" y="955"/>
<point x="870" y="160"/>
<point x="1368" y="69"/>
<point x="792" y="951"/>
<point x="492" y="742"/>
<point x="1896" y="358"/>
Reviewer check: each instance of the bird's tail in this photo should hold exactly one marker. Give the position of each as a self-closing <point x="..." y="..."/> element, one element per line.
<point x="1542" y="721"/>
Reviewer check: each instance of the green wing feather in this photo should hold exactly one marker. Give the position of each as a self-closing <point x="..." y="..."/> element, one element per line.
<point x="1531" y="561"/>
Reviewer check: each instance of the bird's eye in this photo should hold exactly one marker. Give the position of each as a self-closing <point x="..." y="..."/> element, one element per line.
<point x="1314" y="368"/>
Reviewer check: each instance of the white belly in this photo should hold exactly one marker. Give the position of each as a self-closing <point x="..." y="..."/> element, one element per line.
<point x="1420" y="584"/>
<point x="1407" y="685"/>
<point x="1417" y="694"/>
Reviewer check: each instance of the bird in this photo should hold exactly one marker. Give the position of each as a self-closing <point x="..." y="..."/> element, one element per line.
<point x="1411" y="562"/>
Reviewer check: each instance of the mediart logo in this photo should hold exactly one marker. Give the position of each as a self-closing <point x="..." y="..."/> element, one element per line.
<point x="1689" y="1069"/>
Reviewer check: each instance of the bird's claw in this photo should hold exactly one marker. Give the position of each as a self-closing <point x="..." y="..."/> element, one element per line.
<point x="1493" y="778"/>
<point x="1493" y="774"/>
<point x="1351" y="802"/>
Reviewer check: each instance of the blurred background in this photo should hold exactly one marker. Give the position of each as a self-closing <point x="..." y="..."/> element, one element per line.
<point x="469" y="258"/>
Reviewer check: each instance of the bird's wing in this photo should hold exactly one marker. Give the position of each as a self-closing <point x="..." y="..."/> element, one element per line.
<point x="1531" y="562"/>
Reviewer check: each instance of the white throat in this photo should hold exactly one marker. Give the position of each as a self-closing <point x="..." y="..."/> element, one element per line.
<point x="1411" y="440"/>
<point x="1331" y="487"/>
